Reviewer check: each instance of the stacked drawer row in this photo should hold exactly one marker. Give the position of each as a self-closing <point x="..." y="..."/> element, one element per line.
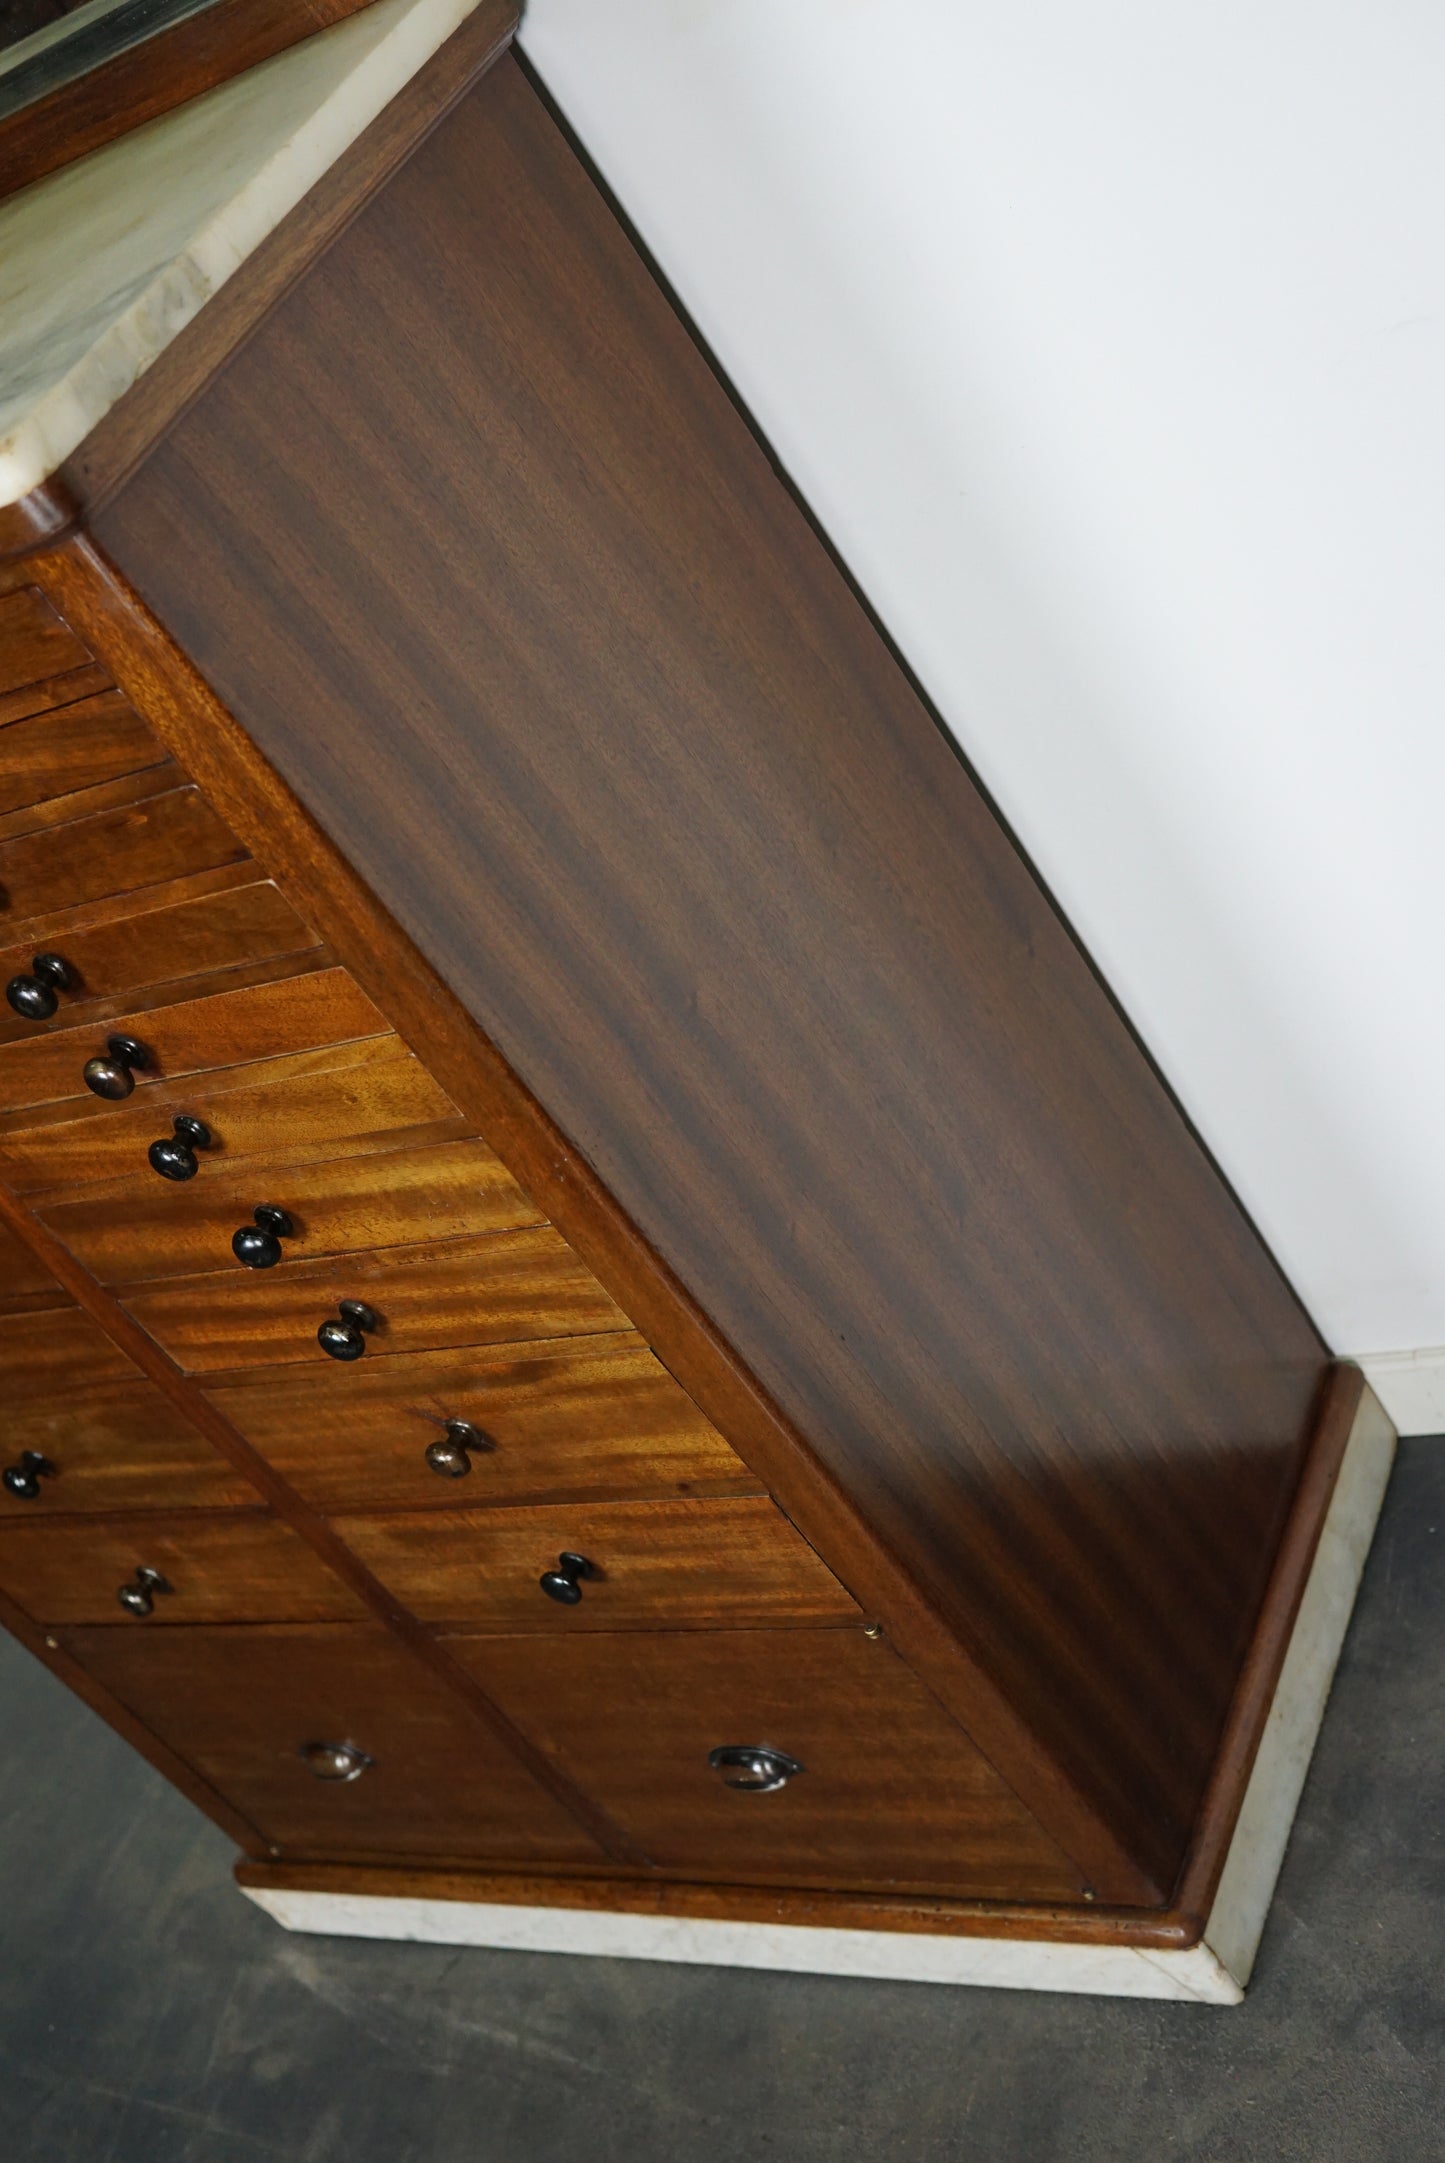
<point x="213" y="1119"/>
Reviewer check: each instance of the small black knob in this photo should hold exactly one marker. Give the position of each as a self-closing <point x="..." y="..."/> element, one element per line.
<point x="138" y="1597"/>
<point x="111" y="1076"/>
<point x="258" y="1245"/>
<point x="753" y="1767"/>
<point x="450" y="1455"/>
<point x="334" y="1760"/>
<point x="24" y="1476"/>
<point x="174" y="1157"/>
<point x="565" y="1582"/>
<point x="34" y="997"/>
<point x="346" y="1339"/>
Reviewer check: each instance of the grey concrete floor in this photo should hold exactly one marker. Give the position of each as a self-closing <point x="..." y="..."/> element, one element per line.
<point x="150" y="2015"/>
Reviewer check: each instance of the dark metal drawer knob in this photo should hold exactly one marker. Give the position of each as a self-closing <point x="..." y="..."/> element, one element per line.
<point x="346" y="1339"/>
<point x="34" y="997"/>
<point x="110" y="1075"/>
<point x="753" y="1767"/>
<point x="138" y="1597"/>
<point x="174" y="1156"/>
<point x="24" y="1476"/>
<point x="335" y="1760"/>
<point x="565" y="1582"/>
<point x="450" y="1456"/>
<point x="258" y="1245"/>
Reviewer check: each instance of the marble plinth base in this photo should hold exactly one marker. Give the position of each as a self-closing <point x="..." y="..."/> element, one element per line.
<point x="1214" y="1972"/>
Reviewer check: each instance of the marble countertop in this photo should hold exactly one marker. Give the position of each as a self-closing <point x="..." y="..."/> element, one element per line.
<point x="104" y="262"/>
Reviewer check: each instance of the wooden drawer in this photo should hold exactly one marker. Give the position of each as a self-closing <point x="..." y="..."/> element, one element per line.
<point x="698" y="1564"/>
<point x="499" y="1288"/>
<point x="595" y="1421"/>
<point x="114" y="1446"/>
<point x="240" y="1705"/>
<point x="165" y="836"/>
<point x="35" y="643"/>
<point x="238" y="1566"/>
<point x="21" y="1275"/>
<point x="892" y="1794"/>
<point x="73" y="747"/>
<point x="357" y="1096"/>
<point x="114" y="952"/>
<point x="337" y="1206"/>
<point x="55" y="1347"/>
<point x="192" y="1036"/>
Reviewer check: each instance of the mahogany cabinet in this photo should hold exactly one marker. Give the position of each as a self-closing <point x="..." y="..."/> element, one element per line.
<point x="595" y="1296"/>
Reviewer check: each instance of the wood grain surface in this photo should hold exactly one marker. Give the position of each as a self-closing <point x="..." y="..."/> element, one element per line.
<point x="35" y="643"/>
<point x="115" y="1446"/>
<point x="73" y="747"/>
<point x="64" y="690"/>
<point x="52" y="1347"/>
<point x="235" y="1566"/>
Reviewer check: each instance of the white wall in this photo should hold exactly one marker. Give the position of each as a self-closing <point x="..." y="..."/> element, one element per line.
<point x="1106" y="342"/>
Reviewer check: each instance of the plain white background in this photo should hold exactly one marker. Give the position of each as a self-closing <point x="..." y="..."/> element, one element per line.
<point x="1106" y="343"/>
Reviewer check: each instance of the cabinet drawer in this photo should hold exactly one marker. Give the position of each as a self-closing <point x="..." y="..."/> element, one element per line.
<point x="73" y="747"/>
<point x="166" y="836"/>
<point x="113" y="1446"/>
<point x="891" y="1795"/>
<point x="112" y="953"/>
<point x="54" y="1347"/>
<point x="598" y="1420"/>
<point x="240" y="1706"/>
<point x="698" y="1564"/>
<point x="351" y="1096"/>
<point x="34" y="642"/>
<point x="191" y="1036"/>
<point x="243" y="1566"/>
<point x="495" y="1289"/>
<point x="21" y="1275"/>
<point x="336" y="1207"/>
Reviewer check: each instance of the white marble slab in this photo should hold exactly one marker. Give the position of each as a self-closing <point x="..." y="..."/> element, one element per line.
<point x="103" y="263"/>
<point x="1211" y="1973"/>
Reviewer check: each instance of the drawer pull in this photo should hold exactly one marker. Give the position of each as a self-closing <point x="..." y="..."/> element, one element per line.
<point x="450" y="1455"/>
<point x="346" y="1339"/>
<point x="34" y="997"/>
<point x="138" y="1597"/>
<point x="24" y="1476"/>
<point x="258" y="1245"/>
<point x="564" y="1583"/>
<point x="753" y="1768"/>
<point x="110" y="1076"/>
<point x="335" y="1760"/>
<point x="174" y="1156"/>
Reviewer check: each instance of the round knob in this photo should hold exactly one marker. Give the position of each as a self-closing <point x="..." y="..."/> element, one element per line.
<point x="334" y="1760"/>
<point x="24" y="1476"/>
<point x="753" y="1767"/>
<point x="346" y="1339"/>
<point x="450" y="1454"/>
<point x="258" y="1245"/>
<point x="111" y="1076"/>
<point x="138" y="1597"/>
<point x="565" y="1582"/>
<point x="174" y="1156"/>
<point x="34" y="997"/>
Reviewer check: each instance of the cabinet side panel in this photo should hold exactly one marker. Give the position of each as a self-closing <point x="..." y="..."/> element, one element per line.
<point x="477" y="549"/>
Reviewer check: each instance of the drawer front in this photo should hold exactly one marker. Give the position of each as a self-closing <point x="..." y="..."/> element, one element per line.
<point x="598" y="1421"/>
<point x="21" y="1275"/>
<point x="241" y="1705"/>
<point x="500" y="1288"/>
<point x="891" y="1795"/>
<point x="73" y="747"/>
<point x="336" y="1207"/>
<point x="193" y="1036"/>
<point x="167" y="836"/>
<point x="696" y="1564"/>
<point x="111" y="1446"/>
<point x="350" y="1096"/>
<point x="35" y="643"/>
<point x="113" y="953"/>
<point x="54" y="1348"/>
<point x="244" y="1566"/>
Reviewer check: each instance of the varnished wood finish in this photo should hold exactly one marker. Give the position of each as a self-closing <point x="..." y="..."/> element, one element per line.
<point x="109" y="852"/>
<point x="21" y="1274"/>
<point x="34" y="641"/>
<point x="445" y="1295"/>
<point x="715" y="1564"/>
<point x="238" y="1705"/>
<point x="73" y="747"/>
<point x="894" y="1138"/>
<point x="38" y="698"/>
<point x="592" y="1422"/>
<point x="238" y="1566"/>
<point x="892" y="1794"/>
<point x="54" y="1346"/>
<point x="115" y="1446"/>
